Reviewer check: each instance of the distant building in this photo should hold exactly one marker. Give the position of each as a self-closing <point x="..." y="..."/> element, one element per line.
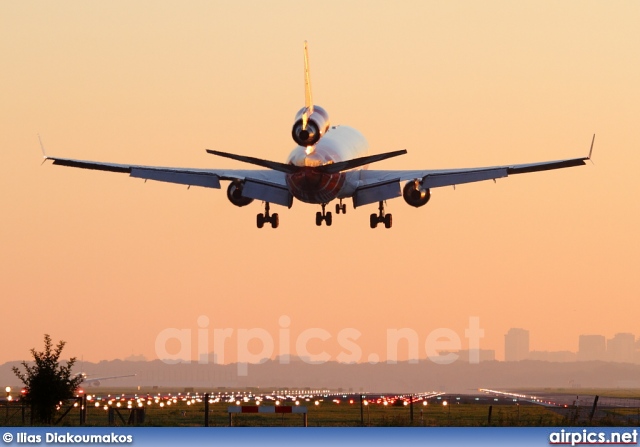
<point x="592" y="347"/>
<point x="553" y="356"/>
<point x="516" y="345"/>
<point x="621" y="348"/>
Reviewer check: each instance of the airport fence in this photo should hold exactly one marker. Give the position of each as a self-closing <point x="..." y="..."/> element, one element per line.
<point x="347" y="412"/>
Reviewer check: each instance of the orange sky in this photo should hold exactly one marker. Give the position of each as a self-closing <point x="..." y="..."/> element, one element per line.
<point x="107" y="262"/>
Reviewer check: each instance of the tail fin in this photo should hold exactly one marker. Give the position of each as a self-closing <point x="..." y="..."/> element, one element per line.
<point x="308" y="100"/>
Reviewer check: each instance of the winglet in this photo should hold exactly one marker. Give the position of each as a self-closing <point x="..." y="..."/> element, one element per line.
<point x="44" y="153"/>
<point x="591" y="150"/>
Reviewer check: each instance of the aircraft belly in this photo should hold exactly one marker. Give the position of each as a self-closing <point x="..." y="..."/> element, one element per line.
<point x="312" y="187"/>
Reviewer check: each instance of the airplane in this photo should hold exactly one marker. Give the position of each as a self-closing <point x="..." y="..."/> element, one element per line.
<point x="96" y="381"/>
<point x="330" y="162"/>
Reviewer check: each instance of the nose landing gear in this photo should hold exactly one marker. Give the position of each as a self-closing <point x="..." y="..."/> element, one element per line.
<point x="273" y="219"/>
<point x="322" y="216"/>
<point x="341" y="207"/>
<point x="381" y="217"/>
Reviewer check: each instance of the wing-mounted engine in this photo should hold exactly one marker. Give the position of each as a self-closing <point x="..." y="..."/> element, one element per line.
<point x="415" y="194"/>
<point x="309" y="127"/>
<point x="234" y="194"/>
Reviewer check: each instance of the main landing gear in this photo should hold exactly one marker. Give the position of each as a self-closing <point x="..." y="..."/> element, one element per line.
<point x="273" y="219"/>
<point x="320" y="216"/>
<point x="341" y="207"/>
<point x="381" y="217"/>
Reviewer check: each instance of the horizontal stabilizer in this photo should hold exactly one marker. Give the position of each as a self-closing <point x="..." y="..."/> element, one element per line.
<point x="276" y="166"/>
<point x="340" y="166"/>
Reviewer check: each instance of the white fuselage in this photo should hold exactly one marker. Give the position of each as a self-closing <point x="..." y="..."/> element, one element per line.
<point x="339" y="143"/>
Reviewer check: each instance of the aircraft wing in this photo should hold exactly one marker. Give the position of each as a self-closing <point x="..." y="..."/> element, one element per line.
<point x="447" y="177"/>
<point x="261" y="184"/>
<point x="376" y="185"/>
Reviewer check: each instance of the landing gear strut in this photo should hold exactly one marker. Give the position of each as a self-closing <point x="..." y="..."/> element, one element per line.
<point x="320" y="216"/>
<point x="341" y="207"/>
<point x="381" y="217"/>
<point x="273" y="219"/>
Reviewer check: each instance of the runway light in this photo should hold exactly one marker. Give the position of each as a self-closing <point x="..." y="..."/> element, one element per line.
<point x="424" y="402"/>
<point x="445" y="403"/>
<point x="317" y="403"/>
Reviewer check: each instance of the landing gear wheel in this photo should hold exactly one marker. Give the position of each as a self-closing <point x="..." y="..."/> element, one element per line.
<point x="324" y="216"/>
<point x="338" y="208"/>
<point x="344" y="208"/>
<point x="388" y="221"/>
<point x="262" y="219"/>
<point x="373" y="220"/>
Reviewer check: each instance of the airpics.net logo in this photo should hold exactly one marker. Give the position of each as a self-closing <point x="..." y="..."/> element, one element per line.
<point x="287" y="344"/>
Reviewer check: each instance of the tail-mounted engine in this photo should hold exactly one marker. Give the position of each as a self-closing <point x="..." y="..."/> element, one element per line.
<point x="307" y="130"/>
<point x="234" y="194"/>
<point x="414" y="194"/>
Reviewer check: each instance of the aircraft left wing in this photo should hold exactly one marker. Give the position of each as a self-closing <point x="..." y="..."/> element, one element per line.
<point x="448" y="177"/>
<point x="376" y="185"/>
<point x="266" y="184"/>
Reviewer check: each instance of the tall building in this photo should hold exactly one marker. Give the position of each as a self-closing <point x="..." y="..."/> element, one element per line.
<point x="592" y="347"/>
<point x="516" y="345"/>
<point x="621" y="348"/>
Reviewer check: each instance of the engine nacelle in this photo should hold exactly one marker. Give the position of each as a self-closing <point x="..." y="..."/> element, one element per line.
<point x="414" y="194"/>
<point x="317" y="125"/>
<point x="234" y="194"/>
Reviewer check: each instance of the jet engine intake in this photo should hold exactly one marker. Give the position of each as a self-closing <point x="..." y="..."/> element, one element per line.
<point x="414" y="194"/>
<point x="317" y="124"/>
<point x="234" y="194"/>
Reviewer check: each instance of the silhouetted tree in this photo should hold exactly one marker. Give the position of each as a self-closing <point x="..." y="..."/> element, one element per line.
<point x="47" y="383"/>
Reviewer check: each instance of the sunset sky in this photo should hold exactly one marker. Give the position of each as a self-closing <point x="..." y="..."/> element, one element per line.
<point x="106" y="262"/>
